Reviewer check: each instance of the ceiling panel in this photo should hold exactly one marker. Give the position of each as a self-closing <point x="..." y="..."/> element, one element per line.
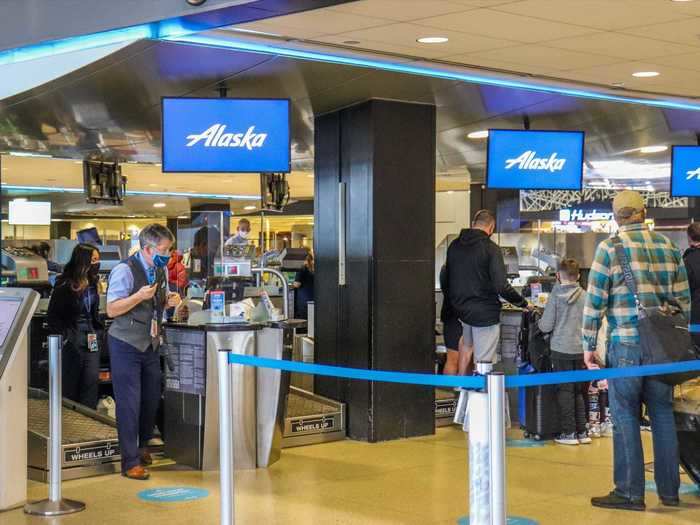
<point x="681" y="31"/>
<point x="402" y="10"/>
<point x="600" y="14"/>
<point x="542" y="58"/>
<point x="622" y="46"/>
<point x="407" y="34"/>
<point x="504" y="25"/>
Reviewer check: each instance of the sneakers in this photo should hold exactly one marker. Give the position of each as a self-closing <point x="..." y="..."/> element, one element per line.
<point x="613" y="501"/>
<point x="595" y="430"/>
<point x="606" y="429"/>
<point x="584" y="438"/>
<point x="566" y="439"/>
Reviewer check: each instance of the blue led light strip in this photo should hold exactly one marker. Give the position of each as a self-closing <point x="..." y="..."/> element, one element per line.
<point x="428" y="71"/>
<point x="50" y="189"/>
<point x="550" y="378"/>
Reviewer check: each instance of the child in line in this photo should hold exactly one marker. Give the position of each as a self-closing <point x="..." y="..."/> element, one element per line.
<point x="562" y="317"/>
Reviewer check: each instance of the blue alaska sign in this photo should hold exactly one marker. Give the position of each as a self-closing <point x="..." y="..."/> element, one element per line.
<point x="685" y="171"/>
<point x="226" y="135"/>
<point x="534" y="160"/>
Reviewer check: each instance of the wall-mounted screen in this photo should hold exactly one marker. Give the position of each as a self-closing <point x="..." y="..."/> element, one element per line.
<point x="29" y="213"/>
<point x="685" y="171"/>
<point x="534" y="160"/>
<point x="226" y="135"/>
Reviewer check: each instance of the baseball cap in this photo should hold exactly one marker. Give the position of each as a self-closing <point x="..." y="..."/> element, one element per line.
<point x="628" y="199"/>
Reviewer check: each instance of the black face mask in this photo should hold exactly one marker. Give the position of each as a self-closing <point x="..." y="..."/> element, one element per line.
<point x="94" y="270"/>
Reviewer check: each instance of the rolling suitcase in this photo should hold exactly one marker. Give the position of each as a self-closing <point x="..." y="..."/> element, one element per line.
<point x="541" y="413"/>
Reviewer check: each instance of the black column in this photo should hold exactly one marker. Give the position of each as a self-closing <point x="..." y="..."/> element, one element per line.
<point x="384" y="317"/>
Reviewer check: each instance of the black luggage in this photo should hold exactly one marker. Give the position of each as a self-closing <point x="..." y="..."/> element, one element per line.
<point x="688" y="426"/>
<point x="541" y="412"/>
<point x="541" y="407"/>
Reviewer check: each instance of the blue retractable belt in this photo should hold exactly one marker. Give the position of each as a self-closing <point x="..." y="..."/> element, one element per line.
<point x="472" y="382"/>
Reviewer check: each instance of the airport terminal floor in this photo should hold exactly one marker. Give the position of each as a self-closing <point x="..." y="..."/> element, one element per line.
<point x="412" y="481"/>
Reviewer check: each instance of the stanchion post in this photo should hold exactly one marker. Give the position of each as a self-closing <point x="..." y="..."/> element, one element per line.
<point x="55" y="505"/>
<point x="226" y="467"/>
<point x="496" y="388"/>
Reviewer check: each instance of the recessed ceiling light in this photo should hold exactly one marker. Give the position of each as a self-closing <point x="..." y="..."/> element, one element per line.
<point x="450" y="192"/>
<point x="310" y="176"/>
<point x="681" y="0"/>
<point x="158" y="164"/>
<point x="159" y="205"/>
<point x="432" y="40"/>
<point x="481" y="134"/>
<point x="152" y="185"/>
<point x="183" y="217"/>
<point x="653" y="149"/>
<point x="646" y="74"/>
<point x="250" y="208"/>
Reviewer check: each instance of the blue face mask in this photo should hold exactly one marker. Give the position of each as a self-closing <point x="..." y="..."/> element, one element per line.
<point x="160" y="261"/>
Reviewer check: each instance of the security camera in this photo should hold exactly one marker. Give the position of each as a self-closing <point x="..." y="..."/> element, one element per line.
<point x="196" y="2"/>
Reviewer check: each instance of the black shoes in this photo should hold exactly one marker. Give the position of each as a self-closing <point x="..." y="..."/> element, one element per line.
<point x="670" y="502"/>
<point x="613" y="501"/>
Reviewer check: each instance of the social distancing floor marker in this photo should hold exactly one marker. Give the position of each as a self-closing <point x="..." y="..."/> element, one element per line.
<point x="173" y="494"/>
<point x="524" y="443"/>
<point x="686" y="488"/>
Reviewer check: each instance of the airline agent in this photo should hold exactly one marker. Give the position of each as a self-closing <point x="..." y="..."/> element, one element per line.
<point x="136" y="298"/>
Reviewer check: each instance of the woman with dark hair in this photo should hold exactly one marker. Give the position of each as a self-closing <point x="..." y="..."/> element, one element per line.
<point x="73" y="313"/>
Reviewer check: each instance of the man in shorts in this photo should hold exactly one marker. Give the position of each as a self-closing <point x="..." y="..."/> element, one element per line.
<point x="476" y="279"/>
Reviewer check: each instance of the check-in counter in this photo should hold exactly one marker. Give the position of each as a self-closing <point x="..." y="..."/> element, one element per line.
<point x="191" y="392"/>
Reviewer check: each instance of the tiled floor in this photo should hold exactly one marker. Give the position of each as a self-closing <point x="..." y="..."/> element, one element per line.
<point x="416" y="481"/>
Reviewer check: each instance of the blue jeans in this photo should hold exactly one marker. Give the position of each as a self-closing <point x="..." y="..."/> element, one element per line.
<point x="626" y="398"/>
<point x="136" y="380"/>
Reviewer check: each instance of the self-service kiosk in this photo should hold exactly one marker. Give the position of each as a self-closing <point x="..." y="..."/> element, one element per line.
<point x="17" y="306"/>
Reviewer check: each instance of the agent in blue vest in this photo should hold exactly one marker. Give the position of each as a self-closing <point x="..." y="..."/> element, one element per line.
<point x="136" y="298"/>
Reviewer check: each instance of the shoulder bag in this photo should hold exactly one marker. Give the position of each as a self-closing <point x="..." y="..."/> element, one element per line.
<point x="663" y="331"/>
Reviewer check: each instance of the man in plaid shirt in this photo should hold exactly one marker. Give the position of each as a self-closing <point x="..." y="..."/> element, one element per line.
<point x="661" y="278"/>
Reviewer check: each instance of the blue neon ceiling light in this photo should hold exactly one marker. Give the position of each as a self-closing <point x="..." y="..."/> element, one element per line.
<point x="428" y="71"/>
<point x="51" y="189"/>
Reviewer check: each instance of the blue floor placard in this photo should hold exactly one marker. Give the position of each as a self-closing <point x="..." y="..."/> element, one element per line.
<point x="512" y="520"/>
<point x="524" y="443"/>
<point x="173" y="494"/>
<point x="686" y="488"/>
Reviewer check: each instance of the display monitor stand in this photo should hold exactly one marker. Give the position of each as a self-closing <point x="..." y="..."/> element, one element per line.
<point x="17" y="305"/>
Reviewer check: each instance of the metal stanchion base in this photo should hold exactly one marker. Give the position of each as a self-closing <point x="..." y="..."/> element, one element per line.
<point x="54" y="508"/>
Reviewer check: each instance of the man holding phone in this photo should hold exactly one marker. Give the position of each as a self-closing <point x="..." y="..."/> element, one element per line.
<point x="136" y="298"/>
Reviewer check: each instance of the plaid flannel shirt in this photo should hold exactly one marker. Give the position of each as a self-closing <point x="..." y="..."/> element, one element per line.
<point x="660" y="275"/>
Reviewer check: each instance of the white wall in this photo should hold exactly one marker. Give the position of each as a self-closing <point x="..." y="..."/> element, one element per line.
<point x="451" y="213"/>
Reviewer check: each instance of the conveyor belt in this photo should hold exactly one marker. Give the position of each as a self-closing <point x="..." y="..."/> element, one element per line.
<point x="445" y="405"/>
<point x="89" y="440"/>
<point x="311" y="418"/>
<point x="298" y="406"/>
<point x="77" y="427"/>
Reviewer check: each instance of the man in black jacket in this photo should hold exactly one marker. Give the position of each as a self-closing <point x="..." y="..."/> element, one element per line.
<point x="476" y="276"/>
<point x="691" y="258"/>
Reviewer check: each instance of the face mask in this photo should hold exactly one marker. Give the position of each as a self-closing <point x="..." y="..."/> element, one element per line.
<point x="243" y="234"/>
<point x="160" y="261"/>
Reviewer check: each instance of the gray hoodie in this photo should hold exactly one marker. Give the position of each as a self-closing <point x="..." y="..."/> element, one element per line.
<point x="562" y="316"/>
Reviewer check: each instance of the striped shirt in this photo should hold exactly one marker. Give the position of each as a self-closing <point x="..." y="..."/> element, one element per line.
<point x="658" y="271"/>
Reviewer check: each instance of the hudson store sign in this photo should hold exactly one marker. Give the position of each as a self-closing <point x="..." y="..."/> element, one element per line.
<point x="226" y="135"/>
